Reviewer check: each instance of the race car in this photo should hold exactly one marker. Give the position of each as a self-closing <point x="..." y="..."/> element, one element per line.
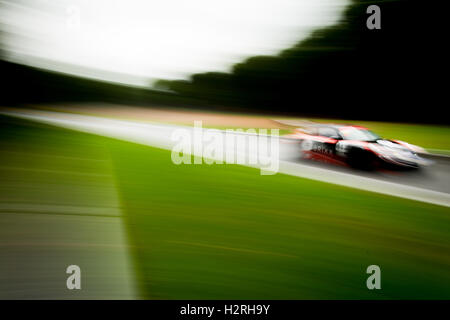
<point x="357" y="147"/>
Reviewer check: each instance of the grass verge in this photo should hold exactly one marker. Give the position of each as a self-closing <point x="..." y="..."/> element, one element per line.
<point x="226" y="232"/>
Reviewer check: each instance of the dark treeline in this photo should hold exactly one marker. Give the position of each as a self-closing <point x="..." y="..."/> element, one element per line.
<point x="27" y="85"/>
<point x="344" y="71"/>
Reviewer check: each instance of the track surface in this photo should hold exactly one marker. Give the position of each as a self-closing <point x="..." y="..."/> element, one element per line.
<point x="431" y="184"/>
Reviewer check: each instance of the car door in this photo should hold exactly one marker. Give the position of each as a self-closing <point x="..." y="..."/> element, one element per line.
<point x="329" y="138"/>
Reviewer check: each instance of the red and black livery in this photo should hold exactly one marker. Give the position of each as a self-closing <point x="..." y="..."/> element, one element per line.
<point x="357" y="147"/>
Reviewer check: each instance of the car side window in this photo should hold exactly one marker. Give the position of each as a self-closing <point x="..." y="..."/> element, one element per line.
<point x="328" y="132"/>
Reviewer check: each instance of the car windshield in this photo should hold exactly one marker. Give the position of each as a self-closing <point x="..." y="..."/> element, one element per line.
<point x="352" y="133"/>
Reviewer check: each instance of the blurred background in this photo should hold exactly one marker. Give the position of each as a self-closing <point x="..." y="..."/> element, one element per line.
<point x="299" y="57"/>
<point x="141" y="227"/>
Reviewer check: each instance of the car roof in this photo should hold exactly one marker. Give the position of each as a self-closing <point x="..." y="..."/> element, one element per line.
<point x="341" y="126"/>
<point x="353" y="126"/>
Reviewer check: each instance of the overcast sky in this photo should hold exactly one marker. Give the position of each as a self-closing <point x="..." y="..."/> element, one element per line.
<point x="136" y="41"/>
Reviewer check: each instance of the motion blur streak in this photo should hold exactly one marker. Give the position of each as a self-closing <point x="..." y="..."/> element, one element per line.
<point x="131" y="41"/>
<point x="94" y="89"/>
<point x="159" y="136"/>
<point x="198" y="232"/>
<point x="59" y="207"/>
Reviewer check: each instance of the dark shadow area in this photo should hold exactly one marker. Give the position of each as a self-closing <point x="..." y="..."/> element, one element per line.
<point x="345" y="71"/>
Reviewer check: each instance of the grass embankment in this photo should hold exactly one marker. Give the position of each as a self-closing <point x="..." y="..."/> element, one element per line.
<point x="225" y="231"/>
<point x="220" y="232"/>
<point x="58" y="207"/>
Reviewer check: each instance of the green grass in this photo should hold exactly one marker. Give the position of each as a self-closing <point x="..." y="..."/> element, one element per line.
<point x="220" y="232"/>
<point x="47" y="165"/>
<point x="226" y="232"/>
<point x="58" y="206"/>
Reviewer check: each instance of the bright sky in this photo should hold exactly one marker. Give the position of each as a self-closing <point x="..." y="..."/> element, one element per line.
<point x="137" y="41"/>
